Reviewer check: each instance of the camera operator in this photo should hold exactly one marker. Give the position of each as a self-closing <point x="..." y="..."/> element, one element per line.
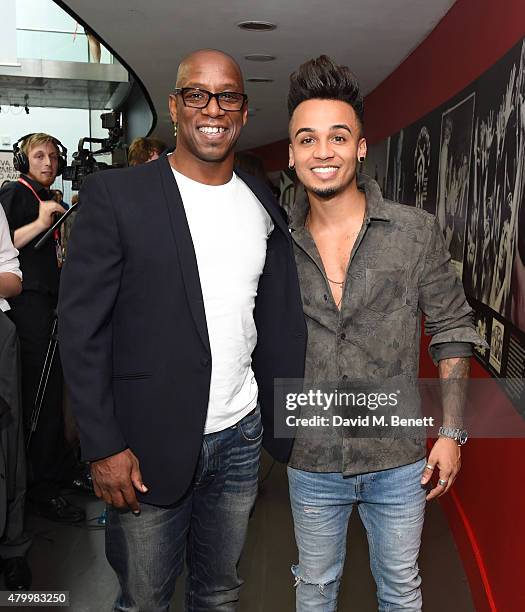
<point x="30" y="210"/>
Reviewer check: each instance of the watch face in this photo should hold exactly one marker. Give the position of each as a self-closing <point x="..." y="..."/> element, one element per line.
<point x="463" y="436"/>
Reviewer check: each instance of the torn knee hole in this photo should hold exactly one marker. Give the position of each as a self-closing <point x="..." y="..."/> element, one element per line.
<point x="301" y="580"/>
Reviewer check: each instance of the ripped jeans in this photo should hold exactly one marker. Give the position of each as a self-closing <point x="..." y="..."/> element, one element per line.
<point x="391" y="504"/>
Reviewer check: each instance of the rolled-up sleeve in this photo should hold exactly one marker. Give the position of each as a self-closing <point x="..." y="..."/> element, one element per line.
<point x="449" y="318"/>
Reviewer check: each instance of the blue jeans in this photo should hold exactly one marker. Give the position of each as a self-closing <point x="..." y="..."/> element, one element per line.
<point x="391" y="504"/>
<point x="209" y="524"/>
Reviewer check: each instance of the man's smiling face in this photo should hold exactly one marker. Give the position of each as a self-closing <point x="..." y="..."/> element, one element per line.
<point x="208" y="134"/>
<point x="325" y="143"/>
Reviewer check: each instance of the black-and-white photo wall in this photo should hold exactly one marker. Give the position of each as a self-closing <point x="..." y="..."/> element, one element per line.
<point x="465" y="163"/>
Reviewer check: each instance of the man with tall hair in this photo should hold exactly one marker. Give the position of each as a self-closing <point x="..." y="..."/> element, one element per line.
<point x="179" y="305"/>
<point x="30" y="210"/>
<point x="367" y="268"/>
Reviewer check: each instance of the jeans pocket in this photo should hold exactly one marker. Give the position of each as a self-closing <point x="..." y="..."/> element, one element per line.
<point x="251" y="427"/>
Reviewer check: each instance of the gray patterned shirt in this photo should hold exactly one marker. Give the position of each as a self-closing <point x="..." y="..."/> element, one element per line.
<point x="398" y="268"/>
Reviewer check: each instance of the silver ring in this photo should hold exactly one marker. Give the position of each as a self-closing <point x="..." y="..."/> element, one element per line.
<point x="442" y="482"/>
<point x="429" y="466"/>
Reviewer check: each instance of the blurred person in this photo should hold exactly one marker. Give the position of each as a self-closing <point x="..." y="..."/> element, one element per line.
<point x="68" y="225"/>
<point x="95" y="51"/>
<point x="144" y="150"/>
<point x="30" y="211"/>
<point x="14" y="542"/>
<point x="58" y="196"/>
<point x="250" y="163"/>
<point x="10" y="274"/>
<point x="188" y="308"/>
<point x="367" y="268"/>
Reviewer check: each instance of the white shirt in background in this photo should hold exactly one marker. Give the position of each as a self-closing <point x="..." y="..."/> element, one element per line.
<point x="8" y="255"/>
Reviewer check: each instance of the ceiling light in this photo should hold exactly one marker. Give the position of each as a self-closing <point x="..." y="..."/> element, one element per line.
<point x="256" y="26"/>
<point x="259" y="57"/>
<point x="259" y="80"/>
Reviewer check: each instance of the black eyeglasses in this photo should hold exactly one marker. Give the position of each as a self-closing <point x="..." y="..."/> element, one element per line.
<point x="200" y="98"/>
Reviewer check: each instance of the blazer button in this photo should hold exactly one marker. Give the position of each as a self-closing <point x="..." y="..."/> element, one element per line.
<point x="205" y="361"/>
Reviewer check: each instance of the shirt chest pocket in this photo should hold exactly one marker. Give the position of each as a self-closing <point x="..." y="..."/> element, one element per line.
<point x="386" y="290"/>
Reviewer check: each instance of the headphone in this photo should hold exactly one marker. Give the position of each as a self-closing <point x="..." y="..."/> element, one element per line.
<point x="21" y="161"/>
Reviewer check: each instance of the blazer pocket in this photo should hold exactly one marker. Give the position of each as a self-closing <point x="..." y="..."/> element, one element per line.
<point x="386" y="290"/>
<point x="268" y="262"/>
<point x="132" y="376"/>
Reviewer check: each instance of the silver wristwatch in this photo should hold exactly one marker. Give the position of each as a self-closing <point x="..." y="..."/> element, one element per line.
<point x="459" y="435"/>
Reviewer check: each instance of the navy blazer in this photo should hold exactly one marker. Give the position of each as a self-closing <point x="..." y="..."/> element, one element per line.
<point x="132" y="326"/>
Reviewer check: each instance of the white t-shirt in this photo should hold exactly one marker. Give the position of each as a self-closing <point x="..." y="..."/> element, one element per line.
<point x="8" y="255"/>
<point x="229" y="228"/>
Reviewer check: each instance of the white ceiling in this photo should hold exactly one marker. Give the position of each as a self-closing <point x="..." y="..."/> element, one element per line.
<point x="151" y="36"/>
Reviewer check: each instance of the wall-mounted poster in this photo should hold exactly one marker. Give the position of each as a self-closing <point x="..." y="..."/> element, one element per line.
<point x="412" y="164"/>
<point x="453" y="176"/>
<point x="395" y="183"/>
<point x="422" y="168"/>
<point x="375" y="164"/>
<point x="518" y="267"/>
<point x="287" y="188"/>
<point x="496" y="345"/>
<point x="497" y="183"/>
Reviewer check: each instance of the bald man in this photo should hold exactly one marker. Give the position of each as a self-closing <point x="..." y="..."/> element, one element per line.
<point x="179" y="306"/>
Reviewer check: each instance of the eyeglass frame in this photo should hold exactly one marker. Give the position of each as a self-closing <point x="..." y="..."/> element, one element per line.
<point x="179" y="91"/>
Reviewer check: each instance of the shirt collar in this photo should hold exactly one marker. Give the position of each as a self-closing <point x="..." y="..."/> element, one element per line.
<point x="375" y="206"/>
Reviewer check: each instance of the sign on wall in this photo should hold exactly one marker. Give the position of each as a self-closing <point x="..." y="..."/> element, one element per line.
<point x="7" y="172"/>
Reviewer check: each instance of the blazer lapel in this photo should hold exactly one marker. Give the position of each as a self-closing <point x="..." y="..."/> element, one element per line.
<point x="185" y="248"/>
<point x="184" y="243"/>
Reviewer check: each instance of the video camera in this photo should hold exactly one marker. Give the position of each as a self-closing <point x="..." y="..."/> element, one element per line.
<point x="84" y="162"/>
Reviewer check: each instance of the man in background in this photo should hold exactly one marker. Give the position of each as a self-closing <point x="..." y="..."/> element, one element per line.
<point x="144" y="150"/>
<point x="58" y="196"/>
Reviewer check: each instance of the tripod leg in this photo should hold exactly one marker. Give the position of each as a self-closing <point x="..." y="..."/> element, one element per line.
<point x="42" y="385"/>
